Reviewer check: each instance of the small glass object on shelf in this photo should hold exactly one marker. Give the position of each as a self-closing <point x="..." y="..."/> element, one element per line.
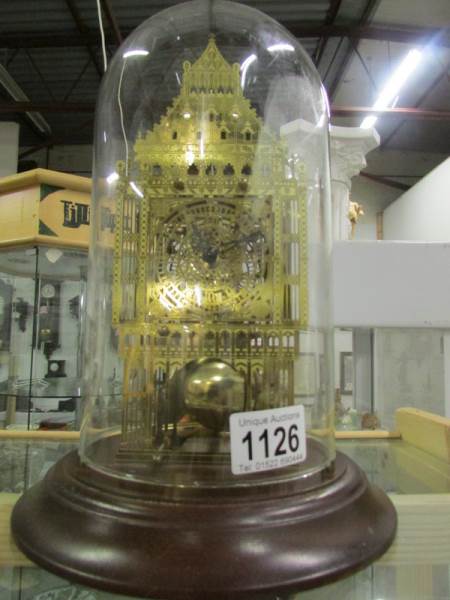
<point x="212" y="294"/>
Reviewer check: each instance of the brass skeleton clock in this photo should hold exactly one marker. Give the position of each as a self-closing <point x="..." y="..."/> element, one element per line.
<point x="211" y="255"/>
<point x="207" y="468"/>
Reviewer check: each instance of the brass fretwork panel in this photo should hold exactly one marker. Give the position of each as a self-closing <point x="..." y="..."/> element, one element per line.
<point x="210" y="253"/>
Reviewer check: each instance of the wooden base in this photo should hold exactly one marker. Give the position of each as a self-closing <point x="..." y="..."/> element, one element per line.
<point x="127" y="537"/>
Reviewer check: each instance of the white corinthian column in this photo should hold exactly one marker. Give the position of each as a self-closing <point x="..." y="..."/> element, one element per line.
<point x="348" y="149"/>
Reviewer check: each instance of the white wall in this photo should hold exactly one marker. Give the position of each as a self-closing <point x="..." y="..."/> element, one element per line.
<point x="391" y="284"/>
<point x="423" y="212"/>
<point x="376" y="197"/>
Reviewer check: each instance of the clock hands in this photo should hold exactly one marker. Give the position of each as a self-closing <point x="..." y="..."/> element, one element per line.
<point x="253" y="237"/>
<point x="210" y="252"/>
<point x="201" y="244"/>
<point x="210" y="256"/>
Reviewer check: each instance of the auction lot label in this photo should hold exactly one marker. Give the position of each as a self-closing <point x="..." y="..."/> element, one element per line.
<point x="262" y="440"/>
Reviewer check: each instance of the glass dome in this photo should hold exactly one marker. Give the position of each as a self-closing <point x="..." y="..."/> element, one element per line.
<point x="208" y="353"/>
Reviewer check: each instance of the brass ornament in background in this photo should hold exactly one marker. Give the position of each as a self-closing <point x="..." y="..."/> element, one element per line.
<point x="210" y="260"/>
<point x="355" y="211"/>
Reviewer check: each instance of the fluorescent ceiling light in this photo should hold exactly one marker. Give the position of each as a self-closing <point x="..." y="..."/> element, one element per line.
<point x="135" y="53"/>
<point x="277" y="47"/>
<point x="368" y="122"/>
<point x="136" y="189"/>
<point x="396" y="81"/>
<point x="245" y="65"/>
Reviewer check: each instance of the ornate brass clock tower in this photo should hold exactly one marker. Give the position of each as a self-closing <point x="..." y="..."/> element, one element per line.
<point x="210" y="260"/>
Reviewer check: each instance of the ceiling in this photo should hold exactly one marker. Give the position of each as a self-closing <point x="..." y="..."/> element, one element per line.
<point x="51" y="62"/>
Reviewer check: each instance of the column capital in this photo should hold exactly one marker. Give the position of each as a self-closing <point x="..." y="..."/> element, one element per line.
<point x="348" y="149"/>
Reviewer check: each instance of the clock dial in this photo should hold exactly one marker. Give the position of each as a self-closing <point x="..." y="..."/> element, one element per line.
<point x="210" y="253"/>
<point x="48" y="290"/>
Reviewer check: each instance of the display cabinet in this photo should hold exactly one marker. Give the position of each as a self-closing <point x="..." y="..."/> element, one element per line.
<point x="43" y="264"/>
<point x="378" y="370"/>
<point x="42" y="325"/>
